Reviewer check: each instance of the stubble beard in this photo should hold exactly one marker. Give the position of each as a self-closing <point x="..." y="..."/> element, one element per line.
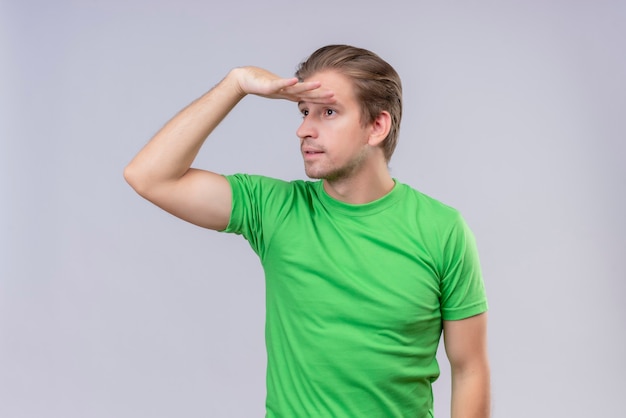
<point x="334" y="174"/>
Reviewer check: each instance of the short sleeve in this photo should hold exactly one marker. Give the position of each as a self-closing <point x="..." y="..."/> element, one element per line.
<point x="462" y="288"/>
<point x="257" y="206"/>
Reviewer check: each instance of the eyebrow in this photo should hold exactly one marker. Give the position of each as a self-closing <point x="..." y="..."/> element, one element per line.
<point x="337" y="104"/>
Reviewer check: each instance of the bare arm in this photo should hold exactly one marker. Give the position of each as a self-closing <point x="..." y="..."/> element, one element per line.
<point x="161" y="172"/>
<point x="466" y="347"/>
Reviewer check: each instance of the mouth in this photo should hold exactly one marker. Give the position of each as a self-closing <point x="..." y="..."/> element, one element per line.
<point x="309" y="154"/>
<point x="308" y="151"/>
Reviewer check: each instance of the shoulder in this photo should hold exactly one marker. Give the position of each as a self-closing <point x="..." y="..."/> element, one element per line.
<point x="435" y="223"/>
<point x="254" y="185"/>
<point x="428" y="208"/>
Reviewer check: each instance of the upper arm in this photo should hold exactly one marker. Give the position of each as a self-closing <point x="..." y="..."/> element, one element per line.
<point x="200" y="197"/>
<point x="466" y="342"/>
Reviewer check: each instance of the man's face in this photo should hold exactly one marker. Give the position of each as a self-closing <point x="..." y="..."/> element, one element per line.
<point x="333" y="141"/>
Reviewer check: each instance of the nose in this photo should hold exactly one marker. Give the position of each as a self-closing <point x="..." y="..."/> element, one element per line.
<point x="307" y="129"/>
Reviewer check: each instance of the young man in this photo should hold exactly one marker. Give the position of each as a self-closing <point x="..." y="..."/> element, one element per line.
<point x="363" y="273"/>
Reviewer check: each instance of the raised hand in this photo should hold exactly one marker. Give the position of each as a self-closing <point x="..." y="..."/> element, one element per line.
<point x="258" y="81"/>
<point x="161" y="172"/>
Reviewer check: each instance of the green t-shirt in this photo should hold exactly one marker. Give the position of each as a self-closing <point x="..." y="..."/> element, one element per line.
<point x="355" y="295"/>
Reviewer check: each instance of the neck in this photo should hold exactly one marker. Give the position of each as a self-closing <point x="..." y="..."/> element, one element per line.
<point x="369" y="184"/>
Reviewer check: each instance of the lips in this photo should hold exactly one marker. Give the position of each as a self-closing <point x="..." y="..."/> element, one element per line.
<point x="311" y="150"/>
<point x="310" y="154"/>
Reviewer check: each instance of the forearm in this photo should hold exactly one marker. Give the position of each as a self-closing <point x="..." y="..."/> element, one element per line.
<point x="471" y="393"/>
<point x="170" y="153"/>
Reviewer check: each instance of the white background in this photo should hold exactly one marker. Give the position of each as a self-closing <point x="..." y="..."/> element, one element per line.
<point x="514" y="113"/>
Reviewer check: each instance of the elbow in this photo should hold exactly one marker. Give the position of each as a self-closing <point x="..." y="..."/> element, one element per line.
<point x="135" y="179"/>
<point x="129" y="175"/>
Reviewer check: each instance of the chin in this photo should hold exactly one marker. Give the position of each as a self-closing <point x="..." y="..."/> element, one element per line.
<point x="320" y="174"/>
<point x="314" y="176"/>
<point x="333" y="173"/>
<point x="326" y="175"/>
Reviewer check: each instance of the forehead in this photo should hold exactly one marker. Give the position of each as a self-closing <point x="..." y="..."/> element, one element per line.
<point x="341" y="85"/>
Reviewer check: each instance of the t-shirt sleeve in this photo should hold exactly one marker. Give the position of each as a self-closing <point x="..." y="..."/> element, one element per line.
<point x="257" y="206"/>
<point x="245" y="217"/>
<point x="462" y="288"/>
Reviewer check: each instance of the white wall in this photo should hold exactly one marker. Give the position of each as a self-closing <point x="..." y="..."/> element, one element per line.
<point x="514" y="113"/>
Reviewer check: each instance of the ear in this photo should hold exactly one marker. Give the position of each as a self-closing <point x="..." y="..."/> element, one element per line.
<point x="380" y="128"/>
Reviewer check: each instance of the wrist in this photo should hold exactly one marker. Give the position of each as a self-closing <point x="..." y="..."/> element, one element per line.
<point x="233" y="80"/>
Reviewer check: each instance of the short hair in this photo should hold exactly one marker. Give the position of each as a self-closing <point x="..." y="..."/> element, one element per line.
<point x="377" y="85"/>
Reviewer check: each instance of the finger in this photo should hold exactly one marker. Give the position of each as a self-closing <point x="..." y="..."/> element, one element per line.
<point x="310" y="93"/>
<point x="283" y="83"/>
<point x="295" y="90"/>
<point x="318" y="99"/>
<point x="309" y="87"/>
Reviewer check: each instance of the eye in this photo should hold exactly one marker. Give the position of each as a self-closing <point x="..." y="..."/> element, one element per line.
<point x="329" y="112"/>
<point x="304" y="112"/>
